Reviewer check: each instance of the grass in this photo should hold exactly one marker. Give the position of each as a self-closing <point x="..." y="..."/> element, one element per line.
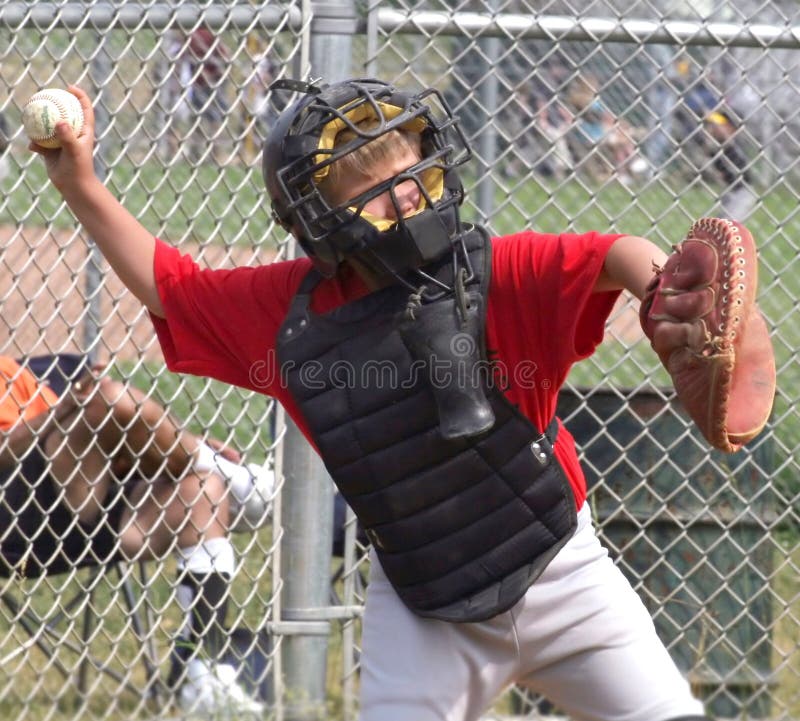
<point x="786" y="645"/>
<point x="173" y="199"/>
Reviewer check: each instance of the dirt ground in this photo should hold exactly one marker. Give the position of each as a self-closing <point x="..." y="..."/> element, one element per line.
<point x="43" y="290"/>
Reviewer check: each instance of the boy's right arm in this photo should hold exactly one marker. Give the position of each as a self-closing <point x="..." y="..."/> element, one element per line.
<point x="124" y="242"/>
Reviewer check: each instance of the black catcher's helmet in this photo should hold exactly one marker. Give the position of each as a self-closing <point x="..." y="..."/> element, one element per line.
<point x="299" y="151"/>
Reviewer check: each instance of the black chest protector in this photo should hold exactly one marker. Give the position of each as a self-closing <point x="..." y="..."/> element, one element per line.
<point x="458" y="492"/>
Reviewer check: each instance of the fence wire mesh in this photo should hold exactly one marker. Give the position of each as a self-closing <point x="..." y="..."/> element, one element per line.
<point x="629" y="116"/>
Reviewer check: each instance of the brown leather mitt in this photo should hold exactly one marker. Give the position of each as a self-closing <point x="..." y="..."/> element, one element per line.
<point x="701" y="317"/>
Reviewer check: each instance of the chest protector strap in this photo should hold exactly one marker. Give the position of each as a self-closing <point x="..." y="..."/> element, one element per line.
<point x="460" y="495"/>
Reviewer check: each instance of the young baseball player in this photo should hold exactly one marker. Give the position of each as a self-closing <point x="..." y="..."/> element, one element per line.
<point x="423" y="360"/>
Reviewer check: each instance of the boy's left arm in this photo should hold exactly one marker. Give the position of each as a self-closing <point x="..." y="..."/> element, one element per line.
<point x="630" y="264"/>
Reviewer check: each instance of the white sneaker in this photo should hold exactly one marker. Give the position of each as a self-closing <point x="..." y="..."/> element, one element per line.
<point x="212" y="692"/>
<point x="253" y="512"/>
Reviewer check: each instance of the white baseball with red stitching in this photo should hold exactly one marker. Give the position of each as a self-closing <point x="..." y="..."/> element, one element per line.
<point x="46" y="108"/>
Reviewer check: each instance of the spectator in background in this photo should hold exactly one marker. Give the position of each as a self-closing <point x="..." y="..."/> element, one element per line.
<point x="555" y="122"/>
<point x="265" y="104"/>
<point x="208" y="60"/>
<point x="697" y="99"/>
<point x="263" y="111"/>
<point x="540" y="138"/>
<point x="731" y="164"/>
<point x="101" y="474"/>
<point x="710" y="139"/>
<point x="603" y="140"/>
<point x="174" y="81"/>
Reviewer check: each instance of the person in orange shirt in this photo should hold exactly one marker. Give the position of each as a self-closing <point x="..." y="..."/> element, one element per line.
<point x="140" y="486"/>
<point x="21" y="395"/>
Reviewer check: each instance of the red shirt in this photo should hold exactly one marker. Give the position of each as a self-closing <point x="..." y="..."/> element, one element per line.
<point x="542" y="317"/>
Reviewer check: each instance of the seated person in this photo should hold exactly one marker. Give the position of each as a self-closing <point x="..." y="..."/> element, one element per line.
<point x="596" y="127"/>
<point x="103" y="474"/>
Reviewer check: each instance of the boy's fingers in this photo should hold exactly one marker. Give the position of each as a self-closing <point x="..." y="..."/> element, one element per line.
<point x="86" y="106"/>
<point x="64" y="133"/>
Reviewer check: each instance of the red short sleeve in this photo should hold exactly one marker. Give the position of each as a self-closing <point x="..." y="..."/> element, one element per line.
<point x="544" y="284"/>
<point x="223" y="323"/>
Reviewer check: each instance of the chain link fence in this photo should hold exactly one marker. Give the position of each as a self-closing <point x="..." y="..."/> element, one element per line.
<point x="636" y="117"/>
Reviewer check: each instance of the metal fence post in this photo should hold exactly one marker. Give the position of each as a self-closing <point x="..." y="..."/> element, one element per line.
<point x="308" y="491"/>
<point x="307" y="513"/>
<point x="489" y="94"/>
<point x="333" y="26"/>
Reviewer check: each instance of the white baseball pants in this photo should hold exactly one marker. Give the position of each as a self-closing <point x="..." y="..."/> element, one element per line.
<point x="580" y="636"/>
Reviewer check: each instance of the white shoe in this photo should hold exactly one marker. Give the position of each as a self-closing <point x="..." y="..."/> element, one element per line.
<point x="212" y="692"/>
<point x="253" y="512"/>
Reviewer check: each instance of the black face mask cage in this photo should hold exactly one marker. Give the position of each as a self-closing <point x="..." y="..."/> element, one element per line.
<point x="299" y="149"/>
<point x="443" y="143"/>
<point x="380" y="250"/>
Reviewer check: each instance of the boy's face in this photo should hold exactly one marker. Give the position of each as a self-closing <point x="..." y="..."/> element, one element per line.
<point x="407" y="193"/>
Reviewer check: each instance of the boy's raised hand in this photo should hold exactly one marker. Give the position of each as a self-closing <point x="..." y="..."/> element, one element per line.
<point x="72" y="164"/>
<point x="124" y="242"/>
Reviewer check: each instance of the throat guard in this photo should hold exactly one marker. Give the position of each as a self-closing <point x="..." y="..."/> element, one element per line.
<point x="460" y="495"/>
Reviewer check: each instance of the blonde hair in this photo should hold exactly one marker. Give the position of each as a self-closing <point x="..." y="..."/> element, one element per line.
<point x="362" y="160"/>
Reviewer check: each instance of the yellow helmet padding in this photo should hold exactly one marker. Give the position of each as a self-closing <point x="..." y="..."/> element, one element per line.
<point x="381" y="224"/>
<point x="432" y="178"/>
<point x="327" y="137"/>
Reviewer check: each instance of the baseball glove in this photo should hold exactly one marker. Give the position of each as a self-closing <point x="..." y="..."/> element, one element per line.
<point x="701" y="317"/>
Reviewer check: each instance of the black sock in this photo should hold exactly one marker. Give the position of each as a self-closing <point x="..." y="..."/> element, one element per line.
<point x="204" y="599"/>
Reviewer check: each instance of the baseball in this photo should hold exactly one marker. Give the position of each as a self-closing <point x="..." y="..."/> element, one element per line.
<point x="47" y="107"/>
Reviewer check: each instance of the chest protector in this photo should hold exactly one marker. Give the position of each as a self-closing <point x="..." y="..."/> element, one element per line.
<point x="458" y="492"/>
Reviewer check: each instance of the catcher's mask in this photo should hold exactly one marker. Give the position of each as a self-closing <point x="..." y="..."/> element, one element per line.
<point x="301" y="147"/>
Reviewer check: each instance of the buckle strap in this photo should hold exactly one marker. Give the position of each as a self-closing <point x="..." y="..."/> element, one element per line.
<point x="542" y="447"/>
